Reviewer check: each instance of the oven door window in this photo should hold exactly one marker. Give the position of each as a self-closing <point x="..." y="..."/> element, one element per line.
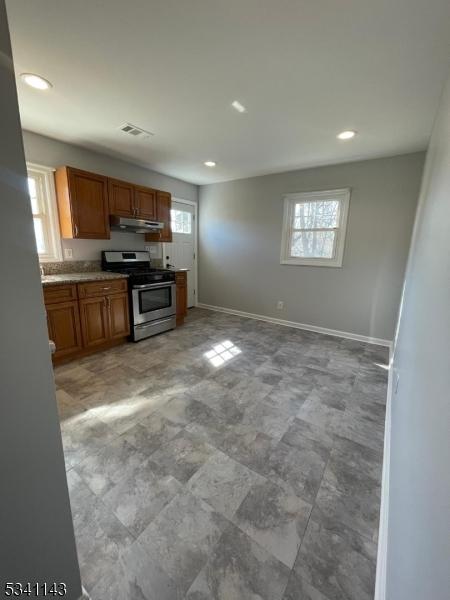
<point x="150" y="300"/>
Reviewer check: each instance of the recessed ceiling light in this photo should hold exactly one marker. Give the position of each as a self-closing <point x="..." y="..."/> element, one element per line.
<point x="209" y="163"/>
<point x="36" y="81"/>
<point x="346" y="135"/>
<point x="238" y="106"/>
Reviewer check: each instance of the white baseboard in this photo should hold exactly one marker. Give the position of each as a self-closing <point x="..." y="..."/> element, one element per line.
<point x="295" y="325"/>
<point x="380" y="580"/>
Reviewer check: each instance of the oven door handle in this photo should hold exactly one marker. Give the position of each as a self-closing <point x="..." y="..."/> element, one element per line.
<point x="153" y="286"/>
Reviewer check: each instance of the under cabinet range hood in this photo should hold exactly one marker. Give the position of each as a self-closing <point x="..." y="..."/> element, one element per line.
<point x="128" y="225"/>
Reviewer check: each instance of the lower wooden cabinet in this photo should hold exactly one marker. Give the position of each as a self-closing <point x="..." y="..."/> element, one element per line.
<point x="63" y="323"/>
<point x="92" y="322"/>
<point x="181" y="281"/>
<point x="104" y="318"/>
<point x="119" y="321"/>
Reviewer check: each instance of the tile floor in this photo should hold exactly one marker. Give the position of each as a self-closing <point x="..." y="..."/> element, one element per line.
<point x="229" y="459"/>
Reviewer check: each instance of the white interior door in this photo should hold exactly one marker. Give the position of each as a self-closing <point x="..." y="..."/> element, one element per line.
<point x="181" y="252"/>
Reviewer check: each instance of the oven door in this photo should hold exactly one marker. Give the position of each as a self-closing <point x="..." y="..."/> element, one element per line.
<point x="153" y="301"/>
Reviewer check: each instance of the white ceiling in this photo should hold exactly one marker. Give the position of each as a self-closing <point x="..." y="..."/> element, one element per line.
<point x="305" y="70"/>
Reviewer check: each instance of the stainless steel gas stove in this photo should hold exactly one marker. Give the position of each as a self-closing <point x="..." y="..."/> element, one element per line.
<point x="152" y="292"/>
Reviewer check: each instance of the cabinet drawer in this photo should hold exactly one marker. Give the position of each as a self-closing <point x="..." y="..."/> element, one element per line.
<point x="60" y="293"/>
<point x="102" y="288"/>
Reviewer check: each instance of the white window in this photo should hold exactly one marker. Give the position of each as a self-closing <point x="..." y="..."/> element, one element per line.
<point x="41" y="188"/>
<point x="181" y="221"/>
<point x="314" y="228"/>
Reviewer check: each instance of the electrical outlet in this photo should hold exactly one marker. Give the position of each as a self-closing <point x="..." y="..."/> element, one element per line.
<point x="68" y="253"/>
<point x="280" y="305"/>
<point x="154" y="250"/>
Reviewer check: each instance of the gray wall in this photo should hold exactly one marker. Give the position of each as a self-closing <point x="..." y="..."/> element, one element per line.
<point x="240" y="238"/>
<point x="419" y="504"/>
<point x="53" y="153"/>
<point x="37" y="540"/>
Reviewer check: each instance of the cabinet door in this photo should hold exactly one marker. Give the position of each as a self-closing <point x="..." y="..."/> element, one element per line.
<point x="121" y="198"/>
<point x="181" y="281"/>
<point x="145" y="202"/>
<point x="119" y="323"/>
<point x="94" y="321"/>
<point x="89" y="204"/>
<point x="63" y="323"/>
<point x="163" y="206"/>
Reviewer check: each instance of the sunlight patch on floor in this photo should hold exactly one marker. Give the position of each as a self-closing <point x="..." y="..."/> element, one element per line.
<point x="222" y="353"/>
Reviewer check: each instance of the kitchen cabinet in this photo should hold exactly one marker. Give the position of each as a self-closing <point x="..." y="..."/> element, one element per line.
<point x="63" y="323"/>
<point x="102" y="288"/>
<point x="181" y="283"/>
<point x="94" y="321"/>
<point x="82" y="204"/>
<point x="163" y="206"/>
<point x="85" y="201"/>
<point x="121" y="198"/>
<point x="86" y="317"/>
<point x="145" y="203"/>
<point x="119" y="322"/>
<point x="104" y="314"/>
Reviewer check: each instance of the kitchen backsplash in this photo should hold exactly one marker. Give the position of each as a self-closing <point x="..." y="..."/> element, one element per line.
<point x="72" y="266"/>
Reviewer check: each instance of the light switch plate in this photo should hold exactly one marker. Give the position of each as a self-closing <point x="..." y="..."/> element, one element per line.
<point x="68" y="253"/>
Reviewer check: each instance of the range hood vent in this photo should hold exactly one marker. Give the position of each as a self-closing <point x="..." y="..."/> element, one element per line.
<point x="128" y="225"/>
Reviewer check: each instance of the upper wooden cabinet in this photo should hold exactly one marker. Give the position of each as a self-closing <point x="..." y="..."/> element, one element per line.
<point x="145" y="203"/>
<point x="121" y="198"/>
<point x="85" y="201"/>
<point x="163" y="206"/>
<point x="82" y="203"/>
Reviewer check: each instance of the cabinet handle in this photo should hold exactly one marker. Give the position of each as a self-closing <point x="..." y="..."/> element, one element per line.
<point x="76" y="230"/>
<point x="106" y="288"/>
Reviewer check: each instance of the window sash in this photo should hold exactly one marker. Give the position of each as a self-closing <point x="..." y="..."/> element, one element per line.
<point x="289" y="230"/>
<point x="45" y="200"/>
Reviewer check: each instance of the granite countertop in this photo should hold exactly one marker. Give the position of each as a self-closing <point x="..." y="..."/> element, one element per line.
<point x="79" y="277"/>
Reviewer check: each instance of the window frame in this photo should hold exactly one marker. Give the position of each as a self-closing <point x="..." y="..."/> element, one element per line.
<point x="290" y="200"/>
<point x="45" y="179"/>
<point x="172" y="221"/>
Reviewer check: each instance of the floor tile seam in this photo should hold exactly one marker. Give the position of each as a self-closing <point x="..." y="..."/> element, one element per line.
<point x="115" y="483"/>
<point x="112" y="512"/>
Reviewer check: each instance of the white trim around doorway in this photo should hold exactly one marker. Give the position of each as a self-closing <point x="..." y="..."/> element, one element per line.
<point x="195" y="205"/>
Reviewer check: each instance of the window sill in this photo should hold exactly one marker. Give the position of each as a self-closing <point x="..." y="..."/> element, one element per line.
<point x="315" y="262"/>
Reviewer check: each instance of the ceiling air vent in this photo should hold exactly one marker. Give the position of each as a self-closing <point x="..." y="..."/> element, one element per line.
<point x="135" y="131"/>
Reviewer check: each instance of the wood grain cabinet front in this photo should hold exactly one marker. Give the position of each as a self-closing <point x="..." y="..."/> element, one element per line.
<point x="163" y="206"/>
<point x="119" y="321"/>
<point x="97" y="320"/>
<point x="94" y="321"/>
<point x="104" y="318"/>
<point x="145" y="203"/>
<point x="102" y="288"/>
<point x="121" y="198"/>
<point x="64" y="330"/>
<point x="181" y="282"/>
<point x="82" y="204"/>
